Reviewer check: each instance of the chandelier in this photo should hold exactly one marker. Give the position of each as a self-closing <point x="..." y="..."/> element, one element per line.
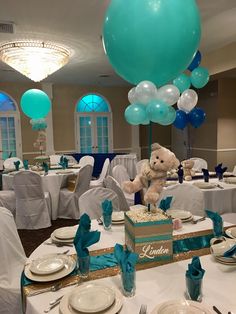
<point x="34" y="59"/>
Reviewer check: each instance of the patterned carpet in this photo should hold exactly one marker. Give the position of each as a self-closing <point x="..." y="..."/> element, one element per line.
<point x="31" y="239"/>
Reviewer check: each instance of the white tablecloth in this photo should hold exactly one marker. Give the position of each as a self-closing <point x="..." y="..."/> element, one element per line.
<point x="154" y="285"/>
<point x="128" y="161"/>
<point x="52" y="183"/>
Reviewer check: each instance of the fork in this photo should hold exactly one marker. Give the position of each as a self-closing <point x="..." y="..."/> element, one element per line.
<point x="198" y="220"/>
<point x="220" y="186"/>
<point x="52" y="306"/>
<point x="58" y="244"/>
<point x="143" y="309"/>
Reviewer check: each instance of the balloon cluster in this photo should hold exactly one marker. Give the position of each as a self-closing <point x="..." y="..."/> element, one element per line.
<point x="151" y="104"/>
<point x="38" y="124"/>
<point x="36" y="105"/>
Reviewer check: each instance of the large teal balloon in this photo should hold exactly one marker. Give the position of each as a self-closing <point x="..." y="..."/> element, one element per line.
<point x="135" y="114"/>
<point x="157" y="110"/>
<point x="199" y="77"/>
<point x="35" y="104"/>
<point x="152" y="40"/>
<point x="182" y="82"/>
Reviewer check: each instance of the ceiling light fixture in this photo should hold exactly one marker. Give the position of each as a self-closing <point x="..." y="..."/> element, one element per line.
<point x="34" y="59"/>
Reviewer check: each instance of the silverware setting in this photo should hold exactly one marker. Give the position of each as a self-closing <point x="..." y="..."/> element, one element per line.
<point x="220" y="186"/>
<point x="52" y="306"/>
<point x="56" y="300"/>
<point x="195" y="221"/>
<point x="53" y="288"/>
<point x="58" y="244"/>
<point x="100" y="222"/>
<point x="143" y="309"/>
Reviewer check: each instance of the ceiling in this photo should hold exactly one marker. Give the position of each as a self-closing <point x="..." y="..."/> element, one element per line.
<point x="78" y="25"/>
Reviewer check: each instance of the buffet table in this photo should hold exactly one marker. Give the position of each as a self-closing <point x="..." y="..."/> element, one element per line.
<point x="52" y="183"/>
<point x="154" y="285"/>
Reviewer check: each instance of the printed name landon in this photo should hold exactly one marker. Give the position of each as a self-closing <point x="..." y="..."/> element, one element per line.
<point x="150" y="252"/>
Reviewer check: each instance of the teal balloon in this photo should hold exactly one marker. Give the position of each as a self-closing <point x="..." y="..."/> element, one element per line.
<point x="35" y="104"/>
<point x="157" y="110"/>
<point x="170" y="117"/>
<point x="135" y="114"/>
<point x="182" y="82"/>
<point x="146" y="122"/>
<point x="199" y="77"/>
<point x="152" y="40"/>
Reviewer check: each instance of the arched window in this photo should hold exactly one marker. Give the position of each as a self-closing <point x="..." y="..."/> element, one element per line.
<point x="93" y="124"/>
<point x="9" y="127"/>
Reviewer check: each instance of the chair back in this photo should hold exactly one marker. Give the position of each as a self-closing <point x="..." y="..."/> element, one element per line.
<point x="105" y="171"/>
<point x="9" y="163"/>
<point x="185" y="197"/>
<point x="12" y="264"/>
<point x="120" y="174"/>
<point x="91" y="201"/>
<point x="199" y="164"/>
<point x="229" y="217"/>
<point x="139" y="165"/>
<point x="113" y="185"/>
<point x="55" y="159"/>
<point x="83" y="179"/>
<point x="86" y="160"/>
<point x="31" y="207"/>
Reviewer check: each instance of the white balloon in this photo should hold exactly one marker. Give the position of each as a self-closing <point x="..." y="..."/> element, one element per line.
<point x="169" y="94"/>
<point x="187" y="100"/>
<point x="132" y="96"/>
<point x="145" y="92"/>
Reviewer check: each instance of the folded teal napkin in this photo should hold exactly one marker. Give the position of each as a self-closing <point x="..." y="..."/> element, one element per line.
<point x="165" y="203"/>
<point x="17" y="165"/>
<point x="217" y="223"/>
<point x="194" y="275"/>
<point x="45" y="167"/>
<point x="107" y="207"/>
<point x="85" y="240"/>
<point x="231" y="252"/>
<point x="66" y="161"/>
<point x="26" y="164"/>
<point x="126" y="259"/>
<point x="220" y="171"/>
<point x="205" y="174"/>
<point x="63" y="162"/>
<point x="84" y="226"/>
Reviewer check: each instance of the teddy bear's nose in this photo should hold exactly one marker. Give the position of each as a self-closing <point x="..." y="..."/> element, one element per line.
<point x="154" y="162"/>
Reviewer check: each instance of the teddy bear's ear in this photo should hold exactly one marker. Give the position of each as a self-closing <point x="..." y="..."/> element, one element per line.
<point x="156" y="146"/>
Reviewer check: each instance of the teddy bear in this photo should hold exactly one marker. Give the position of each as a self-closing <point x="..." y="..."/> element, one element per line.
<point x="153" y="174"/>
<point x="187" y="168"/>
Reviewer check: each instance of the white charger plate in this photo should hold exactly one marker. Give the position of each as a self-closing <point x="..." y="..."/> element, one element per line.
<point x="205" y="185"/>
<point x="65" y="233"/>
<point x="69" y="265"/>
<point x="57" y="240"/>
<point x="64" y="171"/>
<point x="66" y="308"/>
<point x="223" y="260"/>
<point x="181" y="214"/>
<point x="47" y="265"/>
<point x="181" y="306"/>
<point x="231" y="232"/>
<point x="118" y="216"/>
<point x="92" y="298"/>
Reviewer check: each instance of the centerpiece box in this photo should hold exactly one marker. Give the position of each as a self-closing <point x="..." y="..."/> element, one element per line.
<point x="149" y="234"/>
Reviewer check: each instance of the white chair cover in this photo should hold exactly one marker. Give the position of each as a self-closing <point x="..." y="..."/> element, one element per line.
<point x="120" y="173"/>
<point x="139" y="165"/>
<point x="8" y="200"/>
<point x="199" y="164"/>
<point x="185" y="197"/>
<point x="234" y="171"/>
<point x="33" y="206"/>
<point x="91" y="201"/>
<point x="12" y="264"/>
<point x="229" y="217"/>
<point x="68" y="200"/>
<point x="112" y="184"/>
<point x="86" y="160"/>
<point x="9" y="163"/>
<point x="104" y="173"/>
<point x="54" y="159"/>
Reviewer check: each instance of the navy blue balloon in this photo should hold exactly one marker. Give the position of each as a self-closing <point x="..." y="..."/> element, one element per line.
<point x="181" y="119"/>
<point x="196" y="117"/>
<point x="196" y="61"/>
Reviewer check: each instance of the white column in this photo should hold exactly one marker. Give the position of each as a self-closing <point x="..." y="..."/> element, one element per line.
<point x="135" y="146"/>
<point x="47" y="88"/>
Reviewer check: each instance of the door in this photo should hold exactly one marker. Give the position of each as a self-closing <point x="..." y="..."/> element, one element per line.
<point x="94" y="133"/>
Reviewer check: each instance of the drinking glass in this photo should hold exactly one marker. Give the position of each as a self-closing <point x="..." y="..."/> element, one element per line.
<point x="128" y="280"/>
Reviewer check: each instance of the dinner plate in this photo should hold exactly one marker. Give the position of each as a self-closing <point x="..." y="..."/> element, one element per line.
<point x="102" y="298"/>
<point x="181" y="214"/>
<point x="121" y="222"/>
<point x="66" y="308"/>
<point x="205" y="185"/>
<point x="76" y="166"/>
<point x="69" y="265"/>
<point x="47" y="265"/>
<point x="57" y="240"/>
<point x="65" y="233"/>
<point x="231" y="232"/>
<point x="223" y="261"/>
<point x="64" y="171"/>
<point x="181" y="306"/>
<point x="117" y="216"/>
<point x="230" y="180"/>
<point x="226" y="259"/>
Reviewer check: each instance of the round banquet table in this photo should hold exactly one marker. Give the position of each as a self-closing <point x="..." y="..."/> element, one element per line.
<point x="52" y="183"/>
<point x="154" y="285"/>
